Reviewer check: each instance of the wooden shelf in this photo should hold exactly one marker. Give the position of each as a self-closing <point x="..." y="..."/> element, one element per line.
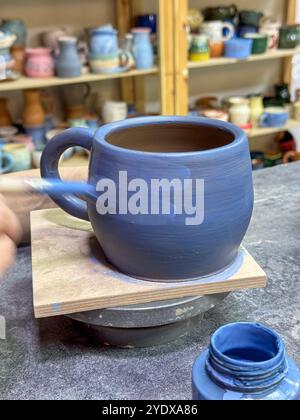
<point x="223" y="61"/>
<point x="30" y="83"/>
<point x="260" y="132"/>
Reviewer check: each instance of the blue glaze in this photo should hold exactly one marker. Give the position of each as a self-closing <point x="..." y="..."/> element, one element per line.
<point x="274" y="118"/>
<point x="68" y="63"/>
<point x="104" y="41"/>
<point x="163" y="247"/>
<point x="6" y="161"/>
<point x="245" y="361"/>
<point x="239" y="48"/>
<point x="247" y="29"/>
<point x="147" y="21"/>
<point x="38" y="136"/>
<point x="16" y="27"/>
<point x="142" y="49"/>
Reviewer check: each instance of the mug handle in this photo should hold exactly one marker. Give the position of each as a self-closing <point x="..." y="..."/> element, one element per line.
<point x="10" y="163"/>
<point x="49" y="167"/>
<point x="231" y="29"/>
<point x="263" y="120"/>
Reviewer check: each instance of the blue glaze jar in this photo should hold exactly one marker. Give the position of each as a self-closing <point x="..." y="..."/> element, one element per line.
<point x="142" y="48"/>
<point x="156" y="245"/>
<point x="68" y="63"/>
<point x="245" y="361"/>
<point x="16" y="27"/>
<point x="104" y="41"/>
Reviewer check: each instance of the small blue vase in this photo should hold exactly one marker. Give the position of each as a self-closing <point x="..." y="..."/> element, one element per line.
<point x="245" y="361"/>
<point x="38" y="136"/>
<point x="143" y="49"/>
<point x="68" y="63"/>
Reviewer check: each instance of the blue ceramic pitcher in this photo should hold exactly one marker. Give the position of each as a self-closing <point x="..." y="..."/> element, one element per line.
<point x="104" y="41"/>
<point x="190" y="151"/>
<point x="142" y="48"/>
<point x="246" y="361"/>
<point x="68" y="63"/>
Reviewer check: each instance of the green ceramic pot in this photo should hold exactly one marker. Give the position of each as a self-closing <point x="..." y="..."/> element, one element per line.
<point x="223" y="13"/>
<point x="260" y="43"/>
<point x="250" y="17"/>
<point x="289" y="37"/>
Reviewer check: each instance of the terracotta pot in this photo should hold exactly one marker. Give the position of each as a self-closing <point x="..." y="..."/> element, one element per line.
<point x="34" y="114"/>
<point x="75" y="112"/>
<point x="19" y="55"/>
<point x="5" y="118"/>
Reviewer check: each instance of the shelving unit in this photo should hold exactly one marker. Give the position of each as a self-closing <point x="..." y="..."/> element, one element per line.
<point x="132" y="82"/>
<point x="270" y="55"/>
<point x="29" y="83"/>
<point x="184" y="68"/>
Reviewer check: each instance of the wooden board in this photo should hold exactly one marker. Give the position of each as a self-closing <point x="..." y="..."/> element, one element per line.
<point x="70" y="273"/>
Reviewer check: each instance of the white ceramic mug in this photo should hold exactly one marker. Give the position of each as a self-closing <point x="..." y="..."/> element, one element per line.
<point x="215" y="29"/>
<point x="113" y="111"/>
<point x="239" y="111"/>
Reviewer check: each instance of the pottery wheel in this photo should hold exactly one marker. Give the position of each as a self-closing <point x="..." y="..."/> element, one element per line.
<point x="146" y="325"/>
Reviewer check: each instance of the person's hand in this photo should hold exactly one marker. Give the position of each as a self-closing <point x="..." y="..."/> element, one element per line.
<point x="10" y="235"/>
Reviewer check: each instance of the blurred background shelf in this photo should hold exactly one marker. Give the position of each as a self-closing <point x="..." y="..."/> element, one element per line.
<point x="260" y="132"/>
<point x="30" y="83"/>
<point x="270" y="55"/>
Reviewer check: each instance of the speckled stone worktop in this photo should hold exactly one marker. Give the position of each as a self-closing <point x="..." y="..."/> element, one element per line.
<point x="50" y="359"/>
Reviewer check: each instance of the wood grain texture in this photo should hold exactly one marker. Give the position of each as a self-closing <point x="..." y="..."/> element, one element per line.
<point x="291" y="9"/>
<point x="70" y="273"/>
<point x="181" y="57"/>
<point x="166" y="53"/>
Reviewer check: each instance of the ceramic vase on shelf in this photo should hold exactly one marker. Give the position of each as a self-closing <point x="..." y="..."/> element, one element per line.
<point x="199" y="50"/>
<point x="239" y="111"/>
<point x="39" y="63"/>
<point x="5" y="118"/>
<point x="33" y="114"/>
<point x="256" y="109"/>
<point x="142" y="48"/>
<point x="245" y="362"/>
<point x="6" y="160"/>
<point x="103" y="41"/>
<point x="16" y="27"/>
<point x="271" y="29"/>
<point x="68" y="63"/>
<point x="19" y="55"/>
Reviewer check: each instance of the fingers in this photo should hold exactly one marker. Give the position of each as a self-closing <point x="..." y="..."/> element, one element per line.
<point x="7" y="253"/>
<point x="9" y="223"/>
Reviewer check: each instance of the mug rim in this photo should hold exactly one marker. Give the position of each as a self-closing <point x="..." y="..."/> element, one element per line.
<point x="239" y="136"/>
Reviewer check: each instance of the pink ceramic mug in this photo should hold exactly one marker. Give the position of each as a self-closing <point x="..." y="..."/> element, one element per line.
<point x="39" y="63"/>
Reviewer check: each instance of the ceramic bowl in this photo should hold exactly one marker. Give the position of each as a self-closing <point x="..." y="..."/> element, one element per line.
<point x="8" y="132"/>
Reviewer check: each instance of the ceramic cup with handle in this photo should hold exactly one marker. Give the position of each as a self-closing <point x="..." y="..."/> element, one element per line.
<point x="274" y="117"/>
<point x="6" y="160"/>
<point x="215" y="30"/>
<point x="156" y="245"/>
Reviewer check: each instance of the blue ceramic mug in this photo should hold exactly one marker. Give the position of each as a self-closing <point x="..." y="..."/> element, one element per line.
<point x="239" y="48"/>
<point x="274" y="117"/>
<point x="189" y="151"/>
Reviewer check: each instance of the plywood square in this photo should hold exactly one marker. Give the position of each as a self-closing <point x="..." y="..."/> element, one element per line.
<point x="71" y="274"/>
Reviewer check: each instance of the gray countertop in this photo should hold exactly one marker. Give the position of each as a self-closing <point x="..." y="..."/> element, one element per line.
<point x="50" y="359"/>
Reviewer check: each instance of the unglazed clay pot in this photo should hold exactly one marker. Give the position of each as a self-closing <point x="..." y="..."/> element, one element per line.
<point x="5" y="118"/>
<point x="158" y="246"/>
<point x="33" y="114"/>
<point x="246" y="361"/>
